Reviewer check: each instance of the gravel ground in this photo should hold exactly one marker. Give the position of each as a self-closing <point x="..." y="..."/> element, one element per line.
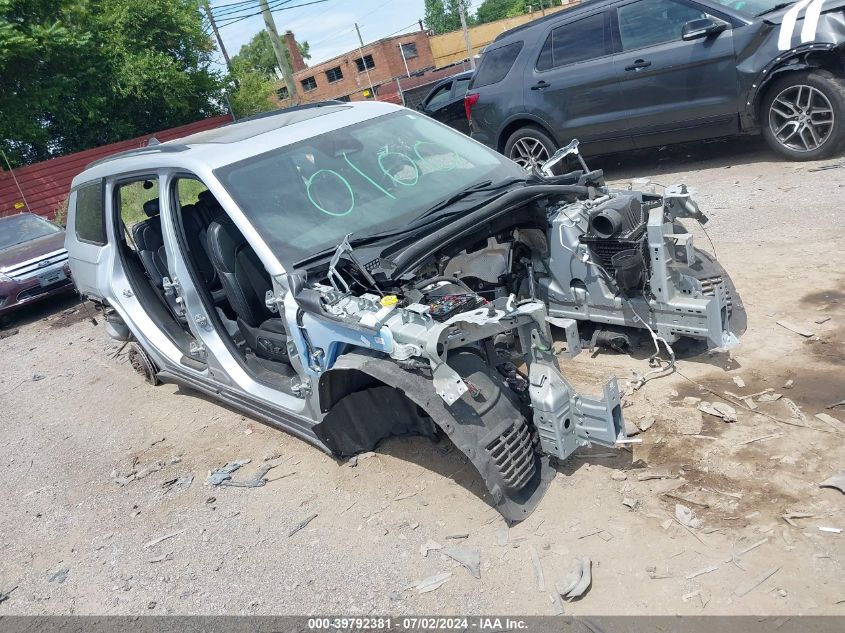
<point x="75" y="419"/>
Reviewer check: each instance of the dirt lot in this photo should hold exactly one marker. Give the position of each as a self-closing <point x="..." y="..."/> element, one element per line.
<point x="74" y="418"/>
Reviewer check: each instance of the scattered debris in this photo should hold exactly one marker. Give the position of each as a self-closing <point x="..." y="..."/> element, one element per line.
<point x="37" y="377"/>
<point x="618" y="475"/>
<point x="719" y="410"/>
<point x="692" y="401"/>
<point x="770" y="436"/>
<point x="821" y="320"/>
<point x="750" y="585"/>
<point x="432" y="582"/>
<point x="407" y="495"/>
<point x="788" y="384"/>
<point x="769" y="397"/>
<point x="656" y="574"/>
<point x="538" y="569"/>
<point x="739" y="382"/>
<point x="161" y="559"/>
<point x="352" y="462"/>
<point x="796" y="410"/>
<point x="841" y="403"/>
<point x="557" y="604"/>
<point x="269" y="457"/>
<point x="701" y="572"/>
<point x="735" y="556"/>
<point x="578" y="581"/>
<point x="672" y="495"/>
<point x="429" y="545"/>
<point x="457" y="537"/>
<point x="502" y="535"/>
<point x="649" y="476"/>
<point x="749" y="402"/>
<point x="224" y="473"/>
<point x="837" y="481"/>
<point x="59" y="576"/>
<point x="692" y="594"/>
<point x="831" y="421"/>
<point x="631" y="429"/>
<point x="256" y="482"/>
<point x="687" y="517"/>
<point x="832" y="530"/>
<point x="158" y="540"/>
<point x="5" y="594"/>
<point x="796" y="515"/>
<point x="646" y="423"/>
<point x="172" y="486"/>
<point x="468" y="557"/>
<point x="7" y="334"/>
<point x="796" y="328"/>
<point x="302" y="524"/>
<point x="631" y="504"/>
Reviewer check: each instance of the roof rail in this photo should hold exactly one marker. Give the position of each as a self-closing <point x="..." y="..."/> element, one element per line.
<point x="547" y="18"/>
<point x="150" y="149"/>
<point x="302" y="106"/>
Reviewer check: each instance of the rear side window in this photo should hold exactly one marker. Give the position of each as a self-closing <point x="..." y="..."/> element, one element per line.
<point x="90" y="217"/>
<point x="496" y="64"/>
<point x="573" y="42"/>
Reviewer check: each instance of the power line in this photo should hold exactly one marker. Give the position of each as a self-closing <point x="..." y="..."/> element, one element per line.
<point x="275" y="7"/>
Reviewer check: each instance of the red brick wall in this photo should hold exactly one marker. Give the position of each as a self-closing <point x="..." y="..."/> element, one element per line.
<point x="388" y="64"/>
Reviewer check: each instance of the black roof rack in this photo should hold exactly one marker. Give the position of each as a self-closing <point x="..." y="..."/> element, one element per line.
<point x="140" y="151"/>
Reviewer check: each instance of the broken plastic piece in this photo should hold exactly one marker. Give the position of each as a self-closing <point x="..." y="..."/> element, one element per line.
<point x="837" y="481"/>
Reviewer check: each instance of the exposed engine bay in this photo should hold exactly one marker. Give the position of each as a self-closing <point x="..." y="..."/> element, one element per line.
<point x="490" y="286"/>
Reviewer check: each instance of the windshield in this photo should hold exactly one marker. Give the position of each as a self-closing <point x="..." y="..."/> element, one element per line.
<point x="752" y="7"/>
<point x="23" y="228"/>
<point x="370" y="177"/>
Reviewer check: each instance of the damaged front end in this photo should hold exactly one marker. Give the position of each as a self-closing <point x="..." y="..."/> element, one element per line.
<point x="623" y="261"/>
<point x="476" y="363"/>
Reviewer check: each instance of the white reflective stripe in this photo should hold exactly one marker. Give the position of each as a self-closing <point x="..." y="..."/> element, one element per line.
<point x="788" y="25"/>
<point x="811" y="21"/>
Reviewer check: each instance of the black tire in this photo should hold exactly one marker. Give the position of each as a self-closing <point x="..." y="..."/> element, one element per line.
<point x="827" y="131"/>
<point x="527" y="137"/>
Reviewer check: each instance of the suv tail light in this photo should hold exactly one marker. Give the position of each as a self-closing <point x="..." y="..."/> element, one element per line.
<point x="470" y="99"/>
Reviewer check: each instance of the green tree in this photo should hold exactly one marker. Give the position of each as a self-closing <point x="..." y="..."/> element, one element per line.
<point x="491" y="10"/>
<point x="442" y="16"/>
<point x="253" y="93"/>
<point x="258" y="54"/>
<point x="80" y="73"/>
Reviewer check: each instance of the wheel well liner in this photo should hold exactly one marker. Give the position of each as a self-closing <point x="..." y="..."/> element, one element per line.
<point x="353" y="395"/>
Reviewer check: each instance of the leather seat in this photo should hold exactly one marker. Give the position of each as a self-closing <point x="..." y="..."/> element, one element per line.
<point x="246" y="283"/>
<point x="150" y="243"/>
<point x="196" y="222"/>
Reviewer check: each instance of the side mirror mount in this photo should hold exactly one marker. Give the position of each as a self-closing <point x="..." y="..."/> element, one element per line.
<point x="702" y="27"/>
<point x="421" y="107"/>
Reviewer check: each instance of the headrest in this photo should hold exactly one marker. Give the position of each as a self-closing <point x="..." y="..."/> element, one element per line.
<point x="207" y="198"/>
<point x="151" y="208"/>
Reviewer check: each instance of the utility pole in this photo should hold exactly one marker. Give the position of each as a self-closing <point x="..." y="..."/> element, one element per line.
<point x="219" y="39"/>
<point x="280" y="52"/>
<point x="466" y="34"/>
<point x="364" y="62"/>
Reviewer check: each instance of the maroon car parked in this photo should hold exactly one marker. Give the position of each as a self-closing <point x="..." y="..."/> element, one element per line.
<point x="33" y="261"/>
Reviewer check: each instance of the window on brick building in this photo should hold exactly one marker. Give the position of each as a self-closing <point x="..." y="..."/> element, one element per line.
<point x="365" y="63"/>
<point x="334" y="74"/>
<point x="308" y="84"/>
<point x="409" y="50"/>
<point x="282" y="93"/>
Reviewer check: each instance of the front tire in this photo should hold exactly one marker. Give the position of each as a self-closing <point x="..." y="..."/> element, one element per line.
<point x="530" y="147"/>
<point x="803" y="115"/>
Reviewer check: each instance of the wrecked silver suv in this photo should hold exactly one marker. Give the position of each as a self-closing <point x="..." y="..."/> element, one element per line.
<point x="351" y="272"/>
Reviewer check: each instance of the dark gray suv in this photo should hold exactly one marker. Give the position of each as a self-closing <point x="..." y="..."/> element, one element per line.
<point x="626" y="74"/>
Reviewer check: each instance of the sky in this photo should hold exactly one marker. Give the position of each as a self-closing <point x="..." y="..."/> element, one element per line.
<point x="329" y="27"/>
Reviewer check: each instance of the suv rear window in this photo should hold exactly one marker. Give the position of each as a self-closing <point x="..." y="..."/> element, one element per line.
<point x="573" y="42"/>
<point x="496" y="64"/>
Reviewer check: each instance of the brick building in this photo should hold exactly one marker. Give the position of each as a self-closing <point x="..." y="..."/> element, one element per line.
<point x="345" y="76"/>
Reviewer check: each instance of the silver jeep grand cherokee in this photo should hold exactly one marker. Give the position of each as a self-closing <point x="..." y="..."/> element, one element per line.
<point x="348" y="272"/>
